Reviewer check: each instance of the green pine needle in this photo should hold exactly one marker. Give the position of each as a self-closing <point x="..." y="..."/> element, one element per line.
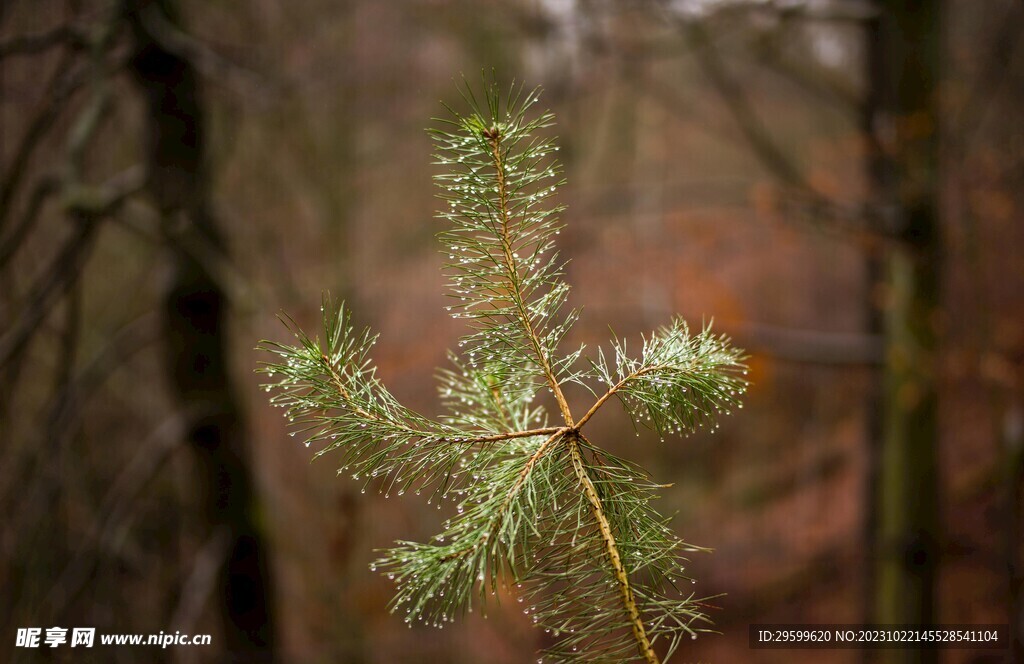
<point x="541" y="513"/>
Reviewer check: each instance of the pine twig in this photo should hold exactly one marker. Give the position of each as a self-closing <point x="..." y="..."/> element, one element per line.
<point x="537" y="506"/>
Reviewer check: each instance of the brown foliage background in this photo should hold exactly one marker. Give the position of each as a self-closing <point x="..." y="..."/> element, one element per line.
<point x="320" y="179"/>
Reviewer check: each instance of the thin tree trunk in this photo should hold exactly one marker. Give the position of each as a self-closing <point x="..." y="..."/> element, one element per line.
<point x="908" y="480"/>
<point x="879" y="176"/>
<point x="1011" y="440"/>
<point x="195" y="311"/>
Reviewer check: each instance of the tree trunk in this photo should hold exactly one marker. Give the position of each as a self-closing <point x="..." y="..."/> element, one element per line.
<point x="908" y="482"/>
<point x="879" y="174"/>
<point x="195" y="311"/>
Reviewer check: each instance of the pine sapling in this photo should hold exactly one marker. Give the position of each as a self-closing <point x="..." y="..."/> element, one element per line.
<point x="539" y="511"/>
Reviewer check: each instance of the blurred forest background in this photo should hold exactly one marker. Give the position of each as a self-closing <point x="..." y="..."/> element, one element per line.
<point x="839" y="183"/>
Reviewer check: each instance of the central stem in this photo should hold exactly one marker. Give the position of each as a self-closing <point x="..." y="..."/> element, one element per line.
<point x="571" y="434"/>
<point x="628" y="600"/>
<point x="494" y="139"/>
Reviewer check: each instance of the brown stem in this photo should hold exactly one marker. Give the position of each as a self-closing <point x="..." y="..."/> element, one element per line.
<point x="492" y="438"/>
<point x="600" y="402"/>
<point x="523" y="474"/>
<point x="608" y="395"/>
<point x="643" y="644"/>
<point x="494" y="137"/>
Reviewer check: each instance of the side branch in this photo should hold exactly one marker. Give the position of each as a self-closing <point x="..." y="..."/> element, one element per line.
<point x="537" y="456"/>
<point x="527" y="468"/>
<point x="608" y="395"/>
<point x="628" y="600"/>
<point x="491" y="438"/>
<point x="546" y="431"/>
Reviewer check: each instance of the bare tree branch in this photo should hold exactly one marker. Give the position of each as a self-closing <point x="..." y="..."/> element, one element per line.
<point x="812" y="79"/>
<point x="199" y="586"/>
<point x="56" y="280"/>
<point x="88" y="206"/>
<point x="122" y="345"/>
<point x="65" y="408"/>
<point x="118" y="506"/>
<point x="794" y="344"/>
<point x="66" y="81"/>
<point x="10" y="244"/>
<point x="62" y="35"/>
<point x="769" y="154"/>
<point x="802" y="200"/>
<point x="828" y="11"/>
<point x="204" y="59"/>
<point x="812" y="346"/>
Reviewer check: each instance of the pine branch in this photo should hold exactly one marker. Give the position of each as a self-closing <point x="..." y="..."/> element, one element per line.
<point x="679" y="382"/>
<point x="494" y="136"/>
<point x="331" y="395"/>
<point x="540" y="511"/>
